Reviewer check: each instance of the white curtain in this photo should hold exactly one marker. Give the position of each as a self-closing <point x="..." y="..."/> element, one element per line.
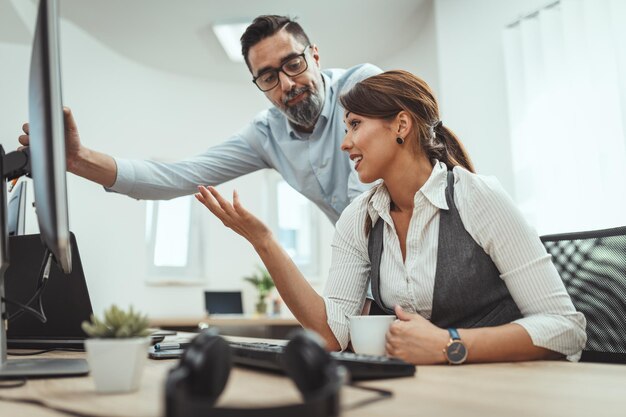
<point x="566" y="80"/>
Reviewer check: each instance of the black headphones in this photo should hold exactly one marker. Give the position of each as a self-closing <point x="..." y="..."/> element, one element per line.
<point x="194" y="385"/>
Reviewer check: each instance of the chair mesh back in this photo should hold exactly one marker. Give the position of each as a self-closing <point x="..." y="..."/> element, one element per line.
<point x="593" y="268"/>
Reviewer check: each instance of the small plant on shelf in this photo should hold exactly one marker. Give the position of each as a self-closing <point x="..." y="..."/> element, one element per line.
<point x="264" y="285"/>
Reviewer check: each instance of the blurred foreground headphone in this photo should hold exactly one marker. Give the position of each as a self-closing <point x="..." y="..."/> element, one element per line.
<point x="194" y="385"/>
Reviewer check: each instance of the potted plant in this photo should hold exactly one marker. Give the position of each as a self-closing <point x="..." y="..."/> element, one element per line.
<point x="117" y="349"/>
<point x="264" y="284"/>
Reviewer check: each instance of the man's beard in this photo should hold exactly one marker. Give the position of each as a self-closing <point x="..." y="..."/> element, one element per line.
<point x="305" y="112"/>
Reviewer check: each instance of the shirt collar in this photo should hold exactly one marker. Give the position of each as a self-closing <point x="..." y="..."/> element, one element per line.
<point x="434" y="190"/>
<point x="325" y="114"/>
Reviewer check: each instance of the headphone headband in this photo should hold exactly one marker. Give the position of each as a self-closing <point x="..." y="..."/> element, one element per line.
<point x="194" y="385"/>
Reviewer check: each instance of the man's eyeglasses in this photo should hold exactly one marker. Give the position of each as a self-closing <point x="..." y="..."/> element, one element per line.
<point x="293" y="66"/>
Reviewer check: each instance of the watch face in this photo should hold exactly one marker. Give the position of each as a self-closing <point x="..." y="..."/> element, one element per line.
<point x="456" y="352"/>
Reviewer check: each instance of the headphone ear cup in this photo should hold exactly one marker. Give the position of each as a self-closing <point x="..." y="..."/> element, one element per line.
<point x="208" y="361"/>
<point x="308" y="364"/>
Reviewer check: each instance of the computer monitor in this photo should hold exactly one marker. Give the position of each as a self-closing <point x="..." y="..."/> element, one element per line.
<point x="47" y="168"/>
<point x="47" y="136"/>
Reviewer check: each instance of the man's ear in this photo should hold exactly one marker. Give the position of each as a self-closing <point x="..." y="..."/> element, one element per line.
<point x="315" y="54"/>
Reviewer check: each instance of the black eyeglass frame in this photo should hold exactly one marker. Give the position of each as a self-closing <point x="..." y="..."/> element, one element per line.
<point x="281" y="69"/>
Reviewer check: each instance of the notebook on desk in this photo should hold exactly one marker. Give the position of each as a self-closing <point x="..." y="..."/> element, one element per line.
<point x="65" y="299"/>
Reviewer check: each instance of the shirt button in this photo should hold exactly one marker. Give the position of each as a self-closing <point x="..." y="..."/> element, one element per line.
<point x="324" y="163"/>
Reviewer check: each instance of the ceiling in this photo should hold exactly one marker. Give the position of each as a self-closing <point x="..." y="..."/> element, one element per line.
<point x="176" y="36"/>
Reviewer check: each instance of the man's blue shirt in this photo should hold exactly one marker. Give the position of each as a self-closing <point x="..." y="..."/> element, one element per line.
<point x="312" y="164"/>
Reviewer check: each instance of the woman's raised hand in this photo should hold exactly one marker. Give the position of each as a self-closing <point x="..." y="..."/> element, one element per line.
<point x="234" y="215"/>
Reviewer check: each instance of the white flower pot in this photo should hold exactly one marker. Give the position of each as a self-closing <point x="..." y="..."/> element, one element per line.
<point x="116" y="364"/>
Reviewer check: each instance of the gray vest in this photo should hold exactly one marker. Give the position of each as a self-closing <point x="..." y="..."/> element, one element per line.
<point x="468" y="289"/>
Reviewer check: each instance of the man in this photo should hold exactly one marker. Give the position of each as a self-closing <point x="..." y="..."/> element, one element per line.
<point x="300" y="136"/>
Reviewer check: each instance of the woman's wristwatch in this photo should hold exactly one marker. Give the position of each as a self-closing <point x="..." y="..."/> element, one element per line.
<point x="455" y="351"/>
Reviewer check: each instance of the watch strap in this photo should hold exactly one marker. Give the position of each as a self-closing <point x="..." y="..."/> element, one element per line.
<point x="454" y="333"/>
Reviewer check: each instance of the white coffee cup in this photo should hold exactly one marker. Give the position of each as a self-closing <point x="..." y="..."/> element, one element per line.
<point x="367" y="333"/>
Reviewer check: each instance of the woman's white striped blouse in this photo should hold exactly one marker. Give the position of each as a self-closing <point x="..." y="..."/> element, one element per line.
<point x="491" y="218"/>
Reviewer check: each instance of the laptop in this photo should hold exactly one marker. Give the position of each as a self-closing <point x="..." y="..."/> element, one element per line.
<point x="223" y="302"/>
<point x="65" y="299"/>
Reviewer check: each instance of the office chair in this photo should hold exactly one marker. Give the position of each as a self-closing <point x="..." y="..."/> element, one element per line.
<point x="592" y="266"/>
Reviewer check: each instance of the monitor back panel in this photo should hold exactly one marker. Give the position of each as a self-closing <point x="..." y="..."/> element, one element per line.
<point x="65" y="300"/>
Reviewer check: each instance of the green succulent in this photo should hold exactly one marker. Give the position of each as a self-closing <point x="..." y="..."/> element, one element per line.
<point x="262" y="281"/>
<point x="117" y="324"/>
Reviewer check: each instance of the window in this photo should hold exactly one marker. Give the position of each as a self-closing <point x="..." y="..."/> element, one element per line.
<point x="173" y="245"/>
<point x="294" y="221"/>
<point x="566" y="84"/>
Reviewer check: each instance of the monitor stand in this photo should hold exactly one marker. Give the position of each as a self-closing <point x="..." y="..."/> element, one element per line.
<point x="43" y="368"/>
<point x="14" y="165"/>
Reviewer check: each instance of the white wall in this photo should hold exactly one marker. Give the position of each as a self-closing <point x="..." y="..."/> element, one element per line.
<point x="472" y="93"/>
<point x="420" y="56"/>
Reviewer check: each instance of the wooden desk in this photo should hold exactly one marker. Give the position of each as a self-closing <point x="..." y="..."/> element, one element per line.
<point x="508" y="389"/>
<point x="272" y="327"/>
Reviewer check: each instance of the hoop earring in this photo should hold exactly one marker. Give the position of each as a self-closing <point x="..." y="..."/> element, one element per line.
<point x="399" y="140"/>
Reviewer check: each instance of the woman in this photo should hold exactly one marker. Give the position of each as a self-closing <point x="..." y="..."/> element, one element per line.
<point x="459" y="261"/>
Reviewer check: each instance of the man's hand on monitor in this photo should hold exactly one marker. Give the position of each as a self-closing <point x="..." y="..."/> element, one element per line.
<point x="24" y="139"/>
<point x="95" y="166"/>
<point x="72" y="139"/>
<point x="73" y="147"/>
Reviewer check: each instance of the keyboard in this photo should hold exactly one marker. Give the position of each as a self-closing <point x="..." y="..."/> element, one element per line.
<point x="361" y="367"/>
